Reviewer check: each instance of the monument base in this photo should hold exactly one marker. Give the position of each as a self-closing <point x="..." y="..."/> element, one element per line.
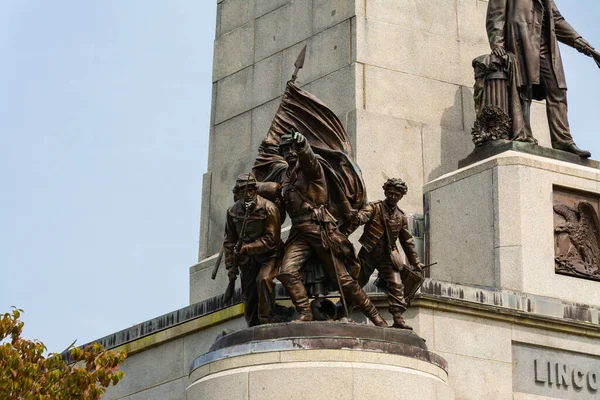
<point x="500" y="146"/>
<point x="493" y="224"/>
<point x="319" y="360"/>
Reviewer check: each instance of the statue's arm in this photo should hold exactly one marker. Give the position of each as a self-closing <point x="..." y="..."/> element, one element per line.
<point x="564" y="31"/>
<point x="269" y="190"/>
<point x="307" y="160"/>
<point x="270" y="239"/>
<point x="495" y="22"/>
<point x="231" y="239"/>
<point x="366" y="214"/>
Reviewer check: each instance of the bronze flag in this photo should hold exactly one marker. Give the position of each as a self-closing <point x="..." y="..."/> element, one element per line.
<point x="302" y="111"/>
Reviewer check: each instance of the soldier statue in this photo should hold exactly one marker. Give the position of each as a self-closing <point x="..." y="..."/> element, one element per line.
<point x="252" y="245"/>
<point x="530" y="31"/>
<point x="314" y="231"/>
<point x="385" y="223"/>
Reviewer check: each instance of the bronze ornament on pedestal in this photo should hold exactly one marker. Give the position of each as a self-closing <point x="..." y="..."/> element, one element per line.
<point x="576" y="235"/>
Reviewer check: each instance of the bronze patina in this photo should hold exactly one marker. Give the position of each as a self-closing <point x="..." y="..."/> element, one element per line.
<point x="252" y="242"/>
<point x="577" y="235"/>
<point x="307" y="151"/>
<point x="315" y="232"/>
<point x="385" y="224"/>
<point x="525" y="64"/>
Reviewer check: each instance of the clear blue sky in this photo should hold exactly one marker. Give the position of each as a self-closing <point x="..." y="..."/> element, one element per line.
<point x="104" y="118"/>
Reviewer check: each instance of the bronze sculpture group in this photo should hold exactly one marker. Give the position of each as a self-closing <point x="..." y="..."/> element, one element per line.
<point x="305" y="170"/>
<point x="255" y="252"/>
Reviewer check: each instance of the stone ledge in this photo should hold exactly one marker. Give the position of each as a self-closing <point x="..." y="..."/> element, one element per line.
<point x="337" y="375"/>
<point x="519" y="308"/>
<point x="512" y="157"/>
<point x="319" y="336"/>
<point x="500" y="146"/>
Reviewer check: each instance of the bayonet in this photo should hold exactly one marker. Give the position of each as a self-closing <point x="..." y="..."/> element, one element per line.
<point x="339" y="281"/>
<point x="217" y="263"/>
<point x="299" y="64"/>
<point x="428" y="265"/>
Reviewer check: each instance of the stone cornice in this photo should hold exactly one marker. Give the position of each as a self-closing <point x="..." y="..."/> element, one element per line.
<point x="485" y="302"/>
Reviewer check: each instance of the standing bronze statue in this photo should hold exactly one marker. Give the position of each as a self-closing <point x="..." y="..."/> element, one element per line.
<point x="528" y="31"/>
<point x="314" y="231"/>
<point x="385" y="223"/>
<point x="252" y="242"/>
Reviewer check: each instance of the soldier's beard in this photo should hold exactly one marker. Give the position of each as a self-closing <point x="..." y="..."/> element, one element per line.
<point x="291" y="160"/>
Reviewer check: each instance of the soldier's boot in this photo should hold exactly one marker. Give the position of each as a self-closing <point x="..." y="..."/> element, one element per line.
<point x="297" y="292"/>
<point x="400" y="323"/>
<point x="365" y="304"/>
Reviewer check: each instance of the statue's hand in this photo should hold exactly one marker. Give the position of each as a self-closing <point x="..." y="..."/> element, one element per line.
<point x="299" y="140"/>
<point x="499" y="51"/>
<point x="583" y="46"/>
<point x="232" y="274"/>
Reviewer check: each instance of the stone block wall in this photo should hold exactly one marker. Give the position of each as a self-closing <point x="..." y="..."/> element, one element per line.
<point x="397" y="72"/>
<point x="483" y="364"/>
<point x="160" y="371"/>
<point x="492" y="225"/>
<point x="256" y="45"/>
<point x="491" y="339"/>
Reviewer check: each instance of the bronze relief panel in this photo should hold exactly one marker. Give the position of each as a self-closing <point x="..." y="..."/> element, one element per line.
<point x="576" y="234"/>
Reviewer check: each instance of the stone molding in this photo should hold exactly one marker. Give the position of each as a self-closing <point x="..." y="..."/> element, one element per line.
<point x="512" y="306"/>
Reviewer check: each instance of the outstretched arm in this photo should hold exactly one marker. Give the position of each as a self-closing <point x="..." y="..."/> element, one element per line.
<point x="564" y="31"/>
<point x="365" y="214"/>
<point x="307" y="160"/>
<point x="566" y="34"/>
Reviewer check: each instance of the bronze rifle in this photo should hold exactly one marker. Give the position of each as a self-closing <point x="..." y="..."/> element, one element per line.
<point x="231" y="286"/>
<point x="217" y="263"/>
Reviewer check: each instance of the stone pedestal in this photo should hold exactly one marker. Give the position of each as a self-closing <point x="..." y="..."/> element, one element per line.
<point x="492" y="224"/>
<point x="319" y="360"/>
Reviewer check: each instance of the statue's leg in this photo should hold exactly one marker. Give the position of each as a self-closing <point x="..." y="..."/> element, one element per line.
<point x="296" y="254"/>
<point x="266" y="290"/>
<point x="526" y="97"/>
<point x="366" y="267"/>
<point x="249" y="272"/>
<point x="353" y="293"/>
<point x="397" y="303"/>
<point x="556" y="105"/>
